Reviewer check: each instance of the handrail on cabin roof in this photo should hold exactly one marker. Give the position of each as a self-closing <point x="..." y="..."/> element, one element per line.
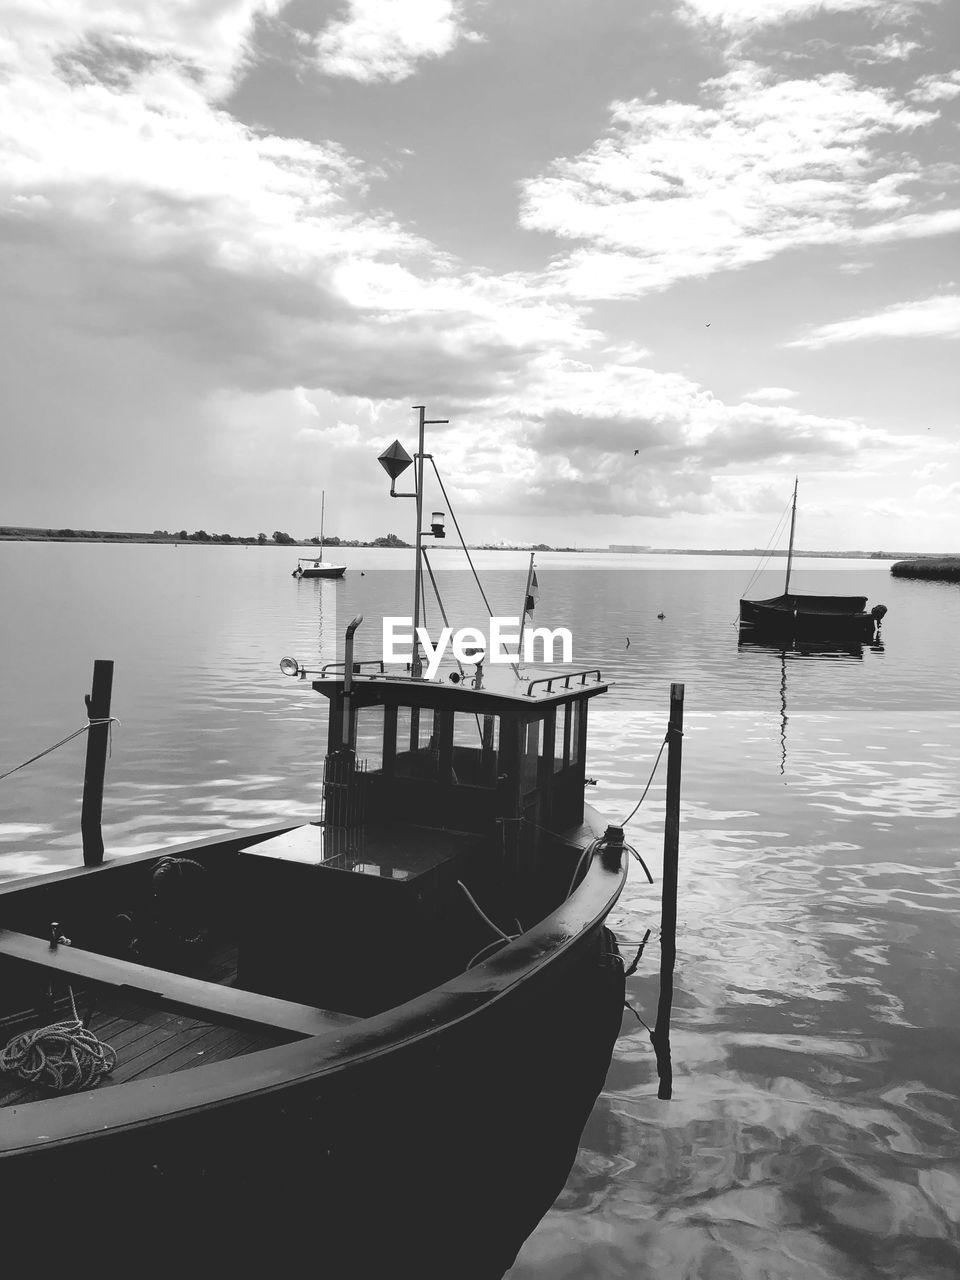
<point x="565" y="677"/>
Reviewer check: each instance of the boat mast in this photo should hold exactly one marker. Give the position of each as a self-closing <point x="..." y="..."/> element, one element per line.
<point x="416" y="666"/>
<point x="793" y="522"/>
<point x="322" y="499"/>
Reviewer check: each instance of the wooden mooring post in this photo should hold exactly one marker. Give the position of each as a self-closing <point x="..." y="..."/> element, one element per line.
<point x="668" y="908"/>
<point x="98" y="738"/>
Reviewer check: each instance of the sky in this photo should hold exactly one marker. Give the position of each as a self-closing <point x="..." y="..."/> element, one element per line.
<point x="650" y="261"/>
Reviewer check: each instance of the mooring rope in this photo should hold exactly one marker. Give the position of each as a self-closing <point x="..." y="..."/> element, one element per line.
<point x="64" y="1056"/>
<point x="649" y="781"/>
<point x="111" y="720"/>
<point x="506" y="937"/>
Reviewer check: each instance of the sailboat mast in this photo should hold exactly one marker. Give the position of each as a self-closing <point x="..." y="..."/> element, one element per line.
<point x="323" y="496"/>
<point x="793" y="522"/>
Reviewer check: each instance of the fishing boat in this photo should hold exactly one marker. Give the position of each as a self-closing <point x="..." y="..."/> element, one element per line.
<point x="813" y="616"/>
<point x="371" y="1040"/>
<point x="316" y="566"/>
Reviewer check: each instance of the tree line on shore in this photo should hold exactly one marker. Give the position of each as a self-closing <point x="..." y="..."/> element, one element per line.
<point x="277" y="538"/>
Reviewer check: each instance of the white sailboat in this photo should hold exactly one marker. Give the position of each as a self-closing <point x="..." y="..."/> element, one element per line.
<point x="316" y="566"/>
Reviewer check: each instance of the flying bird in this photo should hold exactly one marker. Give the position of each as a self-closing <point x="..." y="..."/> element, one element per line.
<point x="628" y="642"/>
<point x="636" y="451"/>
<point x="661" y="616"/>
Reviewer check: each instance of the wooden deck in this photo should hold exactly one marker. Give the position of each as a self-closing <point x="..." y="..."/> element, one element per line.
<point x="149" y="1041"/>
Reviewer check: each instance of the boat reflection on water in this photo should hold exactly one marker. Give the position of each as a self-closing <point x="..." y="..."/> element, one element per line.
<point x="799" y="649"/>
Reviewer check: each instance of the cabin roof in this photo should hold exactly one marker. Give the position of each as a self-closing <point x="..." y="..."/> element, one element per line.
<point x="502" y="690"/>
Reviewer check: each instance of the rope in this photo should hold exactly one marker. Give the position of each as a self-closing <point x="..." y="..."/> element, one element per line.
<point x="63" y="741"/>
<point x="585" y="857"/>
<point x="762" y="563"/>
<point x="502" y="938"/>
<point x="443" y="612"/>
<point x="591" y="848"/>
<point x="466" y="551"/>
<point x="64" y="1056"/>
<point x="482" y="914"/>
<point x="530" y="823"/>
<point x="768" y="550"/>
<point x="628" y="1005"/>
<point x="649" y="781"/>
<point x="636" y="958"/>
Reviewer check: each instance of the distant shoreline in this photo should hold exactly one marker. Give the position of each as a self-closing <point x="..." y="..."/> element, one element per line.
<point x="13" y="533"/>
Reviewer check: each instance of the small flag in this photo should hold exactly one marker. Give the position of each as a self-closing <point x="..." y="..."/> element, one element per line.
<point x="533" y="594"/>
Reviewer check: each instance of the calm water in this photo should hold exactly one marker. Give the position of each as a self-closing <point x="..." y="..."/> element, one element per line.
<point x="816" y="1034"/>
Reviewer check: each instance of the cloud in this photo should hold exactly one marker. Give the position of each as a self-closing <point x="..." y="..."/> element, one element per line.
<point x="912" y="226"/>
<point x="939" y="495"/>
<point x="208" y="290"/>
<point x="936" y="88"/>
<point x="205" y="39"/>
<point x="757" y="167"/>
<point x="188" y="276"/>
<point x="739" y="14"/>
<point x="893" y="49"/>
<point x="770" y="393"/>
<point x="615" y="437"/>
<point x="928" y="469"/>
<point x="130" y="205"/>
<point x="386" y="39"/>
<point x="937" y="317"/>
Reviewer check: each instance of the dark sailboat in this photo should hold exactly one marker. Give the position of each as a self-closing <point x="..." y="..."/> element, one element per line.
<point x="811" y="616"/>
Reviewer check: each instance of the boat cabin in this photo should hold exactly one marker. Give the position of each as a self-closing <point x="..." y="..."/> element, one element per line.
<point x="448" y="755"/>
<point x="430" y="789"/>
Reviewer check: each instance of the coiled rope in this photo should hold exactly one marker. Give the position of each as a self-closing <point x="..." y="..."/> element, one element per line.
<point x="64" y="1056"/>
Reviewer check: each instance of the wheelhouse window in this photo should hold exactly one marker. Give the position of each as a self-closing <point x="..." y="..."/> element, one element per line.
<point x="416" y="739"/>
<point x="476" y="747"/>
<point x="369" y="744"/>
<point x="578" y="712"/>
<point x="559" y="752"/>
<point x="531" y="755"/>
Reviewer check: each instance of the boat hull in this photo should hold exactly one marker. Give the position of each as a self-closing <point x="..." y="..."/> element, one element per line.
<point x="826" y="617"/>
<point x="325" y="571"/>
<point x="430" y="1138"/>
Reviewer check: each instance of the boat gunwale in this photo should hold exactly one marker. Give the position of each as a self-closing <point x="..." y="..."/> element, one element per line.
<point x="221" y="843"/>
<point x="804" y="604"/>
<point x="95" y="1114"/>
